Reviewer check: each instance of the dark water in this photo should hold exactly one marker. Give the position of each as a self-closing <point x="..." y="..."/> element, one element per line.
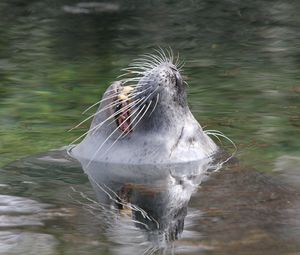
<point x="242" y="64"/>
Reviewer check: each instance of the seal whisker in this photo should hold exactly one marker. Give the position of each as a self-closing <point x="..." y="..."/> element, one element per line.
<point x="138" y="85"/>
<point x="137" y="114"/>
<point x="100" y="101"/>
<point x="120" y="200"/>
<point x="125" y="108"/>
<point x="155" y="59"/>
<point x="122" y="75"/>
<point x="143" y="63"/>
<point x="143" y="60"/>
<point x="162" y="54"/>
<point x="133" y="74"/>
<point x="163" y="57"/>
<point x="141" y="68"/>
<point x="147" y="250"/>
<point x="157" y="98"/>
<point x="151" y="58"/>
<point x="134" y="103"/>
<point x="137" y="66"/>
<point x="217" y="133"/>
<point x="113" y="133"/>
<point x="149" y="94"/>
<point x="90" y="107"/>
<point x="169" y="54"/>
<point x="143" y="82"/>
<point x="115" y="130"/>
<point x="122" y="110"/>
<point x="94" y="114"/>
<point x="139" y="92"/>
<point x="131" y="71"/>
<point x="177" y="60"/>
<point x="142" y="115"/>
<point x="152" y="250"/>
<point x="84" y="196"/>
<point x="131" y="106"/>
<point x="121" y="135"/>
<point x="131" y="79"/>
<point x="214" y="135"/>
<point x="181" y="65"/>
<point x="130" y="75"/>
<point x="135" y="124"/>
<point x="126" y="204"/>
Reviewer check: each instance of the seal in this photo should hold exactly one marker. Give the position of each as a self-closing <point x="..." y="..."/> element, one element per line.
<point x="151" y="198"/>
<point x="144" y="118"/>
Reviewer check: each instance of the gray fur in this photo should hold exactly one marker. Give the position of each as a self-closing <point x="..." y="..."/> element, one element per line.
<point x="170" y="134"/>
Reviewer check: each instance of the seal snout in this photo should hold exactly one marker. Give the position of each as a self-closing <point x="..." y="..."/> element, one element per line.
<point x="150" y="85"/>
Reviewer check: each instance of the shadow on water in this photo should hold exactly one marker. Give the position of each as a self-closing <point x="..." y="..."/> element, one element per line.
<point x="185" y="208"/>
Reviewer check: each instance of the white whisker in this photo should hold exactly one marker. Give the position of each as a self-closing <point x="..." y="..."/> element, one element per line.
<point x="115" y="130"/>
<point x="157" y="98"/>
<point x="142" y="115"/>
<point x="216" y="134"/>
<point x="96" y="113"/>
<point x="137" y="64"/>
<point x="162" y="56"/>
<point x="96" y="127"/>
<point x="177" y="60"/>
<point x="121" y="201"/>
<point x="100" y="101"/>
<point x="124" y="130"/>
<point x="171" y="54"/>
<point x="125" y="108"/>
<point x="156" y="60"/>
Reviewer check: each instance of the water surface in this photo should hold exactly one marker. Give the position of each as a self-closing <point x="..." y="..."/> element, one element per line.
<point x="242" y="66"/>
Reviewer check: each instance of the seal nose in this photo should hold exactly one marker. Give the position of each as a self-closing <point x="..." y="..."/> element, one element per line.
<point x="178" y="78"/>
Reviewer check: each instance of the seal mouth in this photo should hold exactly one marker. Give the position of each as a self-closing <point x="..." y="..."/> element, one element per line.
<point x="123" y="111"/>
<point x="123" y="117"/>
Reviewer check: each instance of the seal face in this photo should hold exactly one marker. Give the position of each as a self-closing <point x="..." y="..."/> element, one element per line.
<point x="144" y="118"/>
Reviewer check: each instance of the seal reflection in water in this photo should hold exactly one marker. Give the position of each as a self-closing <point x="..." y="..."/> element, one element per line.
<point x="145" y="205"/>
<point x="145" y="153"/>
<point x="145" y="119"/>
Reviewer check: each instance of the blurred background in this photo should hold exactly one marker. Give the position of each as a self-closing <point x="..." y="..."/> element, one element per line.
<point x="242" y="62"/>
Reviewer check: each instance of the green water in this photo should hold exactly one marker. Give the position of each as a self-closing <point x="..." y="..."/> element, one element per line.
<point x="242" y="61"/>
<point x="242" y="64"/>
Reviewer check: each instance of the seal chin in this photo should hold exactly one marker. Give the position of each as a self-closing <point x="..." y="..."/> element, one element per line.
<point x="145" y="118"/>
